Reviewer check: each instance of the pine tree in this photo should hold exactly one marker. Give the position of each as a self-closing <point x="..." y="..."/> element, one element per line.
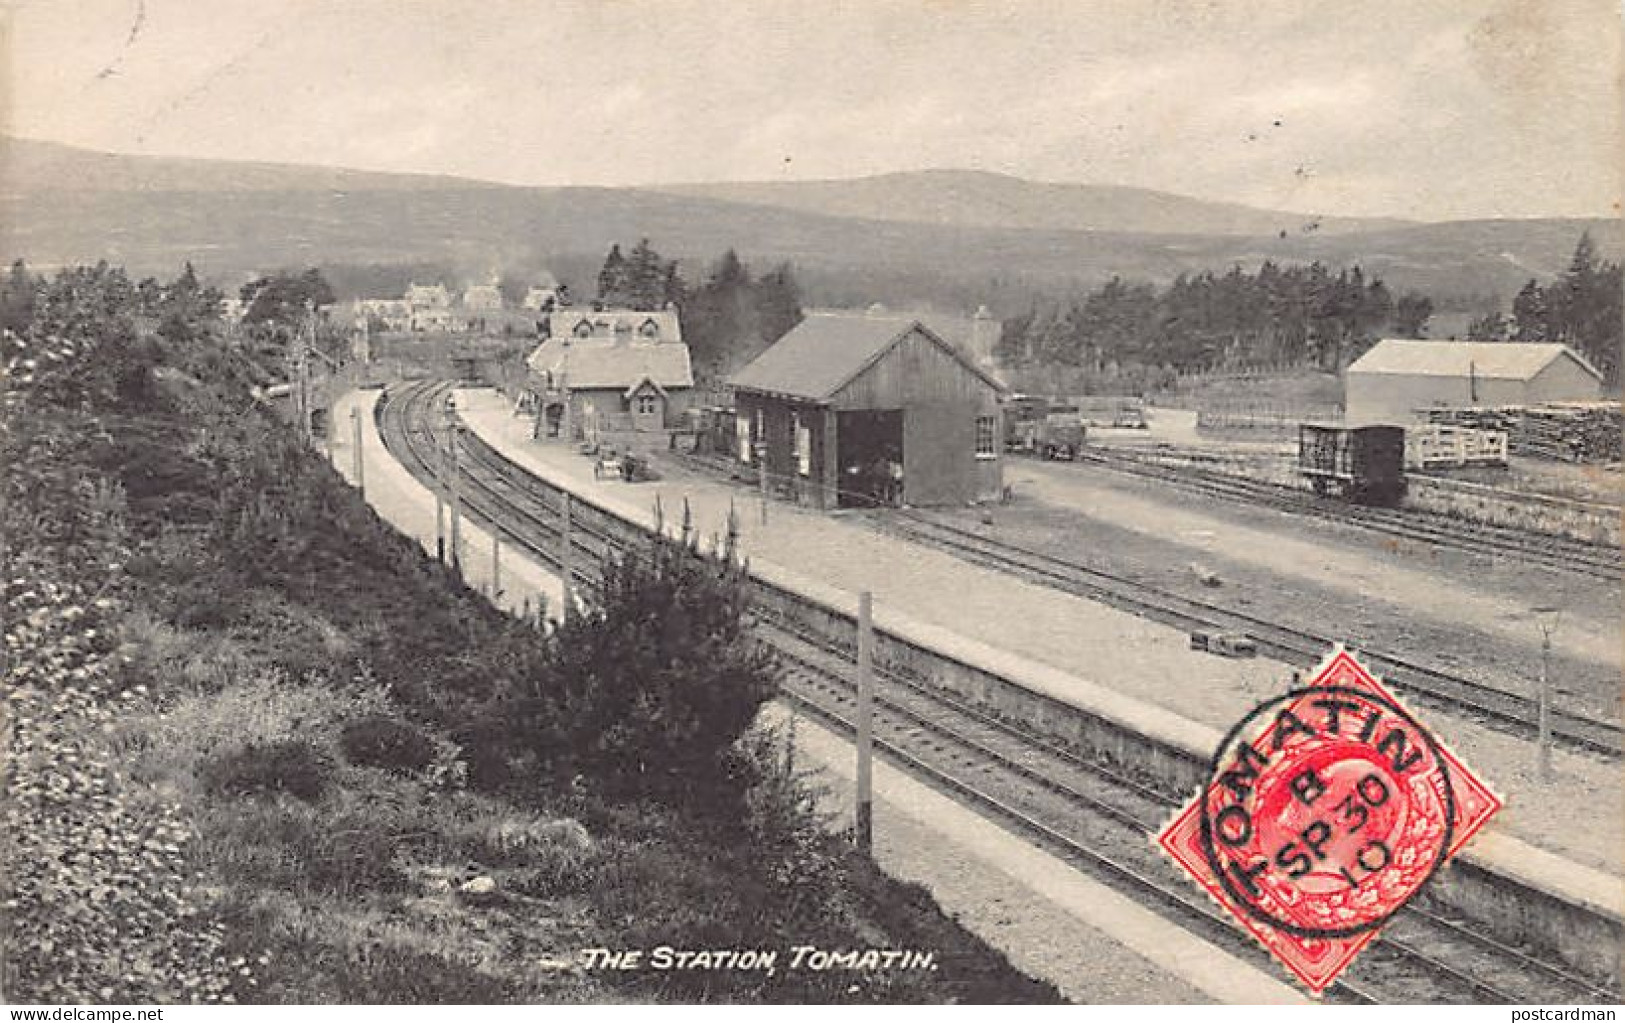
<point x="613" y="278"/>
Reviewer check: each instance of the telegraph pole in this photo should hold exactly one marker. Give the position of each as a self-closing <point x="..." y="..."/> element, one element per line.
<point x="1543" y="725"/>
<point x="355" y="433"/>
<point x="496" y="564"/>
<point x="865" y="822"/>
<point x="456" y="503"/>
<point x="566" y="557"/>
<point x="761" y="474"/>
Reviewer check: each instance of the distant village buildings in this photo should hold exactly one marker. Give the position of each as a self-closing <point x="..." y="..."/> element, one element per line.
<point x="432" y="308"/>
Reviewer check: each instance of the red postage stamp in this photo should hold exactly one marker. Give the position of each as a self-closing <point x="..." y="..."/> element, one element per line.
<point x="1325" y="810"/>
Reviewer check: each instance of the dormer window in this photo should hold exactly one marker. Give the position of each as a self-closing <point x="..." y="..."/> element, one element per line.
<point x="583" y="329"/>
<point x="649" y="329"/>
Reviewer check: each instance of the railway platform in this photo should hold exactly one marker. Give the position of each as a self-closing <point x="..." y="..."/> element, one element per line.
<point x="409" y="506"/>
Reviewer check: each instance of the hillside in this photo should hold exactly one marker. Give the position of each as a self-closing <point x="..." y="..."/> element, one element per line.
<point x="980" y="199"/>
<point x="151" y="215"/>
<point x="29" y="165"/>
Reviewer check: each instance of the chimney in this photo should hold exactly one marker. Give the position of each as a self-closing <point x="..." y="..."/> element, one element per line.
<point x="984" y="336"/>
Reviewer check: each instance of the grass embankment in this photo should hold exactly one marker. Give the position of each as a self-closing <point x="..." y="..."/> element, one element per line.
<point x="261" y="749"/>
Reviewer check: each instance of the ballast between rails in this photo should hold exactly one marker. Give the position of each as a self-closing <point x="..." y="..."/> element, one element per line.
<point x="496" y="482"/>
<point x="1295" y="645"/>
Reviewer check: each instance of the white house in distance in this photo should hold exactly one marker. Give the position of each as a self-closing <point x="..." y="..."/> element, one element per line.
<point x="612" y="369"/>
<point x="482" y="298"/>
<point x="1397" y="378"/>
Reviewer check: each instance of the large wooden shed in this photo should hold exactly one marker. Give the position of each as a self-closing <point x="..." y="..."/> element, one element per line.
<point x="1397" y="380"/>
<point x="861" y="410"/>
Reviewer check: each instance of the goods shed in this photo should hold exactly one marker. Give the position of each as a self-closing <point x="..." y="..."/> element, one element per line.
<point x="852" y="410"/>
<point x="1398" y="380"/>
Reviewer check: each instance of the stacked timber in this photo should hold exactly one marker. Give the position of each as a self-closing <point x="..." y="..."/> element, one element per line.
<point x="1589" y="432"/>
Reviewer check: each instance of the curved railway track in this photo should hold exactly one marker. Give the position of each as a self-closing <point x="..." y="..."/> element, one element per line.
<point x="1508" y="711"/>
<point x="1097" y="817"/>
<point x="1576" y="556"/>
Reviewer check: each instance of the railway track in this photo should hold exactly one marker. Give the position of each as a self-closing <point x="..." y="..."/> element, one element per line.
<point x="1498" y="707"/>
<point x="1555" y="552"/>
<point x="1096" y="816"/>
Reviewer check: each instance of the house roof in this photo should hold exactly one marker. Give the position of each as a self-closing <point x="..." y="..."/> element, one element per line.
<point x="1486" y="360"/>
<point x="826" y="351"/>
<point x="601" y="363"/>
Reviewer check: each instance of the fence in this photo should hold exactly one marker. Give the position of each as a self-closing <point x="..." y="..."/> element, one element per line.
<point x="1274" y="416"/>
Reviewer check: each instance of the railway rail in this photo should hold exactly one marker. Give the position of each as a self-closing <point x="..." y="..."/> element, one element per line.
<point x="1561" y="553"/>
<point x="1096" y="816"/>
<point x="1498" y="707"/>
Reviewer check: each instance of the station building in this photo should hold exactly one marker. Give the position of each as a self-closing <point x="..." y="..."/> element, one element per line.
<point x="852" y="410"/>
<point x="611" y="370"/>
<point x="1398" y="379"/>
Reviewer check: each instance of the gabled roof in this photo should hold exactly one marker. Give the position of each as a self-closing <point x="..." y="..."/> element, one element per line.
<point x="602" y="363"/>
<point x="827" y="351"/>
<point x="1495" y="360"/>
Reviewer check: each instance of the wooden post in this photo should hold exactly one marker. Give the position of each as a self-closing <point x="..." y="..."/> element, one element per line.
<point x="355" y="434"/>
<point x="456" y="504"/>
<point x="864" y="831"/>
<point x="496" y="565"/>
<point x="761" y="473"/>
<point x="1544" y="716"/>
<point x="566" y="557"/>
<point x="440" y="492"/>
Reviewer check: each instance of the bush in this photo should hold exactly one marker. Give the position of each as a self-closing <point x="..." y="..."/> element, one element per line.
<point x="379" y="741"/>
<point x="647" y="691"/>
<point x="291" y="766"/>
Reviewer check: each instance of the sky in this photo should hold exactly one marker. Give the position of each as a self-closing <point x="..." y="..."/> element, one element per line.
<point x="1427" y="109"/>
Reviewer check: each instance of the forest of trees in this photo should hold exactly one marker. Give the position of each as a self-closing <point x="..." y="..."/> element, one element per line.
<point x="1580" y="308"/>
<point x="1297" y="315"/>
<point x="728" y="318"/>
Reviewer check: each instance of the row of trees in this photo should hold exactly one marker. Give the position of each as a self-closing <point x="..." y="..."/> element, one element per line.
<point x="1581" y="308"/>
<point x="728" y="318"/>
<point x="1300" y="315"/>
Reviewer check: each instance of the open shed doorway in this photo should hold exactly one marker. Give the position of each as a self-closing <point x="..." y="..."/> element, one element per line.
<point x="869" y="459"/>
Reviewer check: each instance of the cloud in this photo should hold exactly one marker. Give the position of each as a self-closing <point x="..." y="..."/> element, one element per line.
<point x="1441" y="109"/>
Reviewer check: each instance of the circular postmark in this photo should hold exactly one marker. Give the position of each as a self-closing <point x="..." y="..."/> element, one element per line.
<point x="1331" y="816"/>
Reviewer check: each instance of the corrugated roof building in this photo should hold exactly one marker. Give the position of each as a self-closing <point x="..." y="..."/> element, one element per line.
<point x="610" y="370"/>
<point x="1398" y="379"/>
<point x="853" y="410"/>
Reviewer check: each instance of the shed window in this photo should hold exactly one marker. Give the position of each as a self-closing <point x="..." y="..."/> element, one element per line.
<point x="803" y="448"/>
<point x="987" y="437"/>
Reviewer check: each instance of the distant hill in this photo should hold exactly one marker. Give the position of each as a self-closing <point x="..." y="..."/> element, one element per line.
<point x="980" y="199"/>
<point x="28" y="165"/>
<point x="60" y="205"/>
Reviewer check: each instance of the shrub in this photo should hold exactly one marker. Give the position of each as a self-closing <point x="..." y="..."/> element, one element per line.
<point x="647" y="691"/>
<point x="291" y="766"/>
<point x="379" y="741"/>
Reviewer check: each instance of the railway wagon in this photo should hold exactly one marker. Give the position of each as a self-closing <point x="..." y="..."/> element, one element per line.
<point x="1365" y="464"/>
<point x="1039" y="425"/>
